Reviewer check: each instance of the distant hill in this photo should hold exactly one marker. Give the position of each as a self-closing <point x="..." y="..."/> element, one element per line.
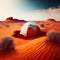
<point x="11" y="19"/>
<point x="50" y="19"/>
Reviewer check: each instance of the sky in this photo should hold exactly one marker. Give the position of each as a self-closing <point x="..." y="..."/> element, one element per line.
<point x="30" y="9"/>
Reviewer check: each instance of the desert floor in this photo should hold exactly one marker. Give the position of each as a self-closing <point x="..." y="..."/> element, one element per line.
<point x="35" y="48"/>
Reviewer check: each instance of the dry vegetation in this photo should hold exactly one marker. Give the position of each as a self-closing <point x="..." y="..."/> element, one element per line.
<point x="53" y="36"/>
<point x="6" y="43"/>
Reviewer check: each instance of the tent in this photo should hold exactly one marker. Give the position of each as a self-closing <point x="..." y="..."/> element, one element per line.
<point x="30" y="29"/>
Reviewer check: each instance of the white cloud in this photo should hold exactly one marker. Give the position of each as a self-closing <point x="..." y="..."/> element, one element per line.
<point x="15" y="8"/>
<point x="45" y="14"/>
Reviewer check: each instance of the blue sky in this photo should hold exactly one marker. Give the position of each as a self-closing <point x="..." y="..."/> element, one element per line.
<point x="41" y="4"/>
<point x="22" y="9"/>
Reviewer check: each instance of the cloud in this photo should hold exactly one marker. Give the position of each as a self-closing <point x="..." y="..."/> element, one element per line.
<point x="45" y="14"/>
<point x="16" y="9"/>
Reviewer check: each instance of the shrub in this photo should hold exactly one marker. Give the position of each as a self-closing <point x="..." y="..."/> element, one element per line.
<point x="6" y="25"/>
<point x="42" y="25"/>
<point x="53" y="36"/>
<point x="6" y="43"/>
<point x="16" y="32"/>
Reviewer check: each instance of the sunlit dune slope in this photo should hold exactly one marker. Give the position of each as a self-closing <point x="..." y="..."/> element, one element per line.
<point x="38" y="49"/>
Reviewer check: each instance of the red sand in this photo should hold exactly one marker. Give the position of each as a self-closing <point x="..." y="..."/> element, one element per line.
<point x="31" y="49"/>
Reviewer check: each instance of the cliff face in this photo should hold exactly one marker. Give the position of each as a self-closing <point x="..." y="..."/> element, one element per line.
<point x="10" y="19"/>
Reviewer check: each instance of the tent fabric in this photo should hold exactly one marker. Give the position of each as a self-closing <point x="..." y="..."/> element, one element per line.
<point x="30" y="32"/>
<point x="29" y="29"/>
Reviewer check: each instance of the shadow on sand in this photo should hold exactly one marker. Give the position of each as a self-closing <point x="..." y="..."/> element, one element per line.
<point x="29" y="37"/>
<point x="6" y="52"/>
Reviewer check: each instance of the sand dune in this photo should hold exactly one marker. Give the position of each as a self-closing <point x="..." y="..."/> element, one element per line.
<point x="36" y="48"/>
<point x="40" y="49"/>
